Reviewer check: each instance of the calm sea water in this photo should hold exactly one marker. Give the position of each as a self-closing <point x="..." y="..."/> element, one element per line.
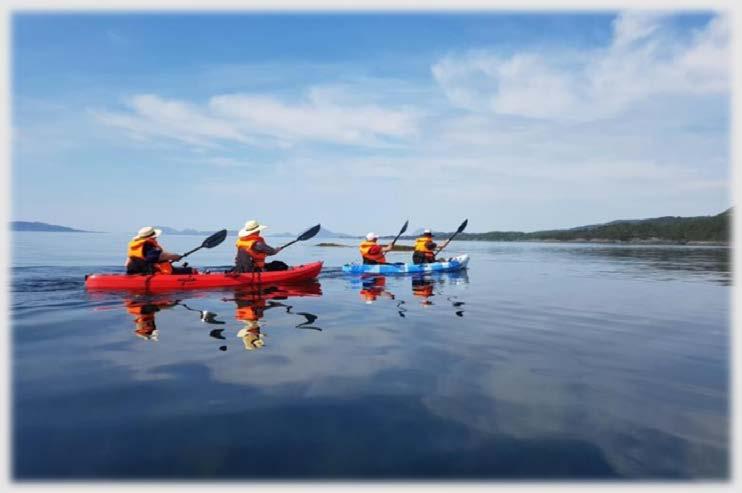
<point x="542" y="361"/>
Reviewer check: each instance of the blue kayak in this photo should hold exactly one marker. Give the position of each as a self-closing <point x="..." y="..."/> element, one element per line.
<point x="454" y="264"/>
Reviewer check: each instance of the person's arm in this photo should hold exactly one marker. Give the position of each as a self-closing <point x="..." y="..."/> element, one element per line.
<point x="430" y="245"/>
<point x="442" y="246"/>
<point x="262" y="247"/>
<point x="387" y="248"/>
<point x="151" y="254"/>
<point x="154" y="255"/>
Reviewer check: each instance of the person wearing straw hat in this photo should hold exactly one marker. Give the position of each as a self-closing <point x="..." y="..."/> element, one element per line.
<point x="252" y="250"/>
<point x="146" y="256"/>
<point x="371" y="251"/>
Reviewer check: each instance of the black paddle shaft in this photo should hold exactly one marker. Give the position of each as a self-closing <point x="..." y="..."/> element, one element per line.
<point x="404" y="228"/>
<point x="209" y="242"/>
<point x="310" y="233"/>
<point x="461" y="228"/>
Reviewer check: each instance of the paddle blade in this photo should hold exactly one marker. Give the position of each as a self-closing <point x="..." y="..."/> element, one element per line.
<point x="309" y="233"/>
<point x="404" y="228"/>
<point x="214" y="239"/>
<point x="463" y="226"/>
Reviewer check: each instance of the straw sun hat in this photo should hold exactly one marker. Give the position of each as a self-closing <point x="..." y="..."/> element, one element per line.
<point x="251" y="227"/>
<point x="148" y="232"/>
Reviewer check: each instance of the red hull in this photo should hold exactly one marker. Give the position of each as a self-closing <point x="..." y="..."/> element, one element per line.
<point x="160" y="282"/>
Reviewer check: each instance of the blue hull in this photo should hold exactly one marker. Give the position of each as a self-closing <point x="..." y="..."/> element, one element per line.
<point x="456" y="263"/>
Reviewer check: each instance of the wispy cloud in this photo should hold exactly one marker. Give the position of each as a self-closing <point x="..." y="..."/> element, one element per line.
<point x="322" y="116"/>
<point x="153" y="116"/>
<point x="643" y="60"/>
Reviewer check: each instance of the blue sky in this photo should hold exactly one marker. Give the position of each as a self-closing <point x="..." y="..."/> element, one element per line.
<point x="517" y="121"/>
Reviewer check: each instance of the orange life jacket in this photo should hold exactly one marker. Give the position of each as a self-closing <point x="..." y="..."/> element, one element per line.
<point x="246" y="244"/>
<point x="136" y="251"/>
<point x="421" y="247"/>
<point x="376" y="257"/>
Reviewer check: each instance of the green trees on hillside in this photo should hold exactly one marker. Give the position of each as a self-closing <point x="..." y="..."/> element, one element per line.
<point x="676" y="229"/>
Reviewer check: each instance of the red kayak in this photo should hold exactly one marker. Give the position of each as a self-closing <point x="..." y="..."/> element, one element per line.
<point x="160" y="282"/>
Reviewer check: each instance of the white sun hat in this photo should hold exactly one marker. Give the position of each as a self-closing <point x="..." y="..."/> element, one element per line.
<point x="251" y="227"/>
<point x="148" y="232"/>
<point x="427" y="231"/>
<point x="372" y="236"/>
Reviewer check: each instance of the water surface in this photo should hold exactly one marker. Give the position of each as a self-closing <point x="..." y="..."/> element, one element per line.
<point x="542" y="361"/>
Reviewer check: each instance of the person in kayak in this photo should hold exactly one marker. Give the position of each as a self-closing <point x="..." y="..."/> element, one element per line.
<point x="146" y="256"/>
<point x="252" y="251"/>
<point x="371" y="252"/>
<point x="424" y="249"/>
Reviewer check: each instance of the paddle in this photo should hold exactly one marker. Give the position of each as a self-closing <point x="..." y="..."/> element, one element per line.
<point x="401" y="231"/>
<point x="209" y="242"/>
<point x="310" y="233"/>
<point x="404" y="228"/>
<point x="461" y="228"/>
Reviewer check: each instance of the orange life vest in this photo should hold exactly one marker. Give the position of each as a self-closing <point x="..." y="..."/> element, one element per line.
<point x="421" y="247"/>
<point x="136" y="251"/>
<point x="246" y="244"/>
<point x="376" y="257"/>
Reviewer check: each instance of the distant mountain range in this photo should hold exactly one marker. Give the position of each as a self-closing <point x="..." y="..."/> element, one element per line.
<point x="38" y="226"/>
<point x="326" y="233"/>
<point x="673" y="229"/>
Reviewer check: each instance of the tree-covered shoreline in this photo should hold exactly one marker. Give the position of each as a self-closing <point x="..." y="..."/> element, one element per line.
<point x="661" y="230"/>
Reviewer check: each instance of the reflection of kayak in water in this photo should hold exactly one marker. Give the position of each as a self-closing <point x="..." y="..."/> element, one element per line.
<point x="454" y="264"/>
<point x="160" y="282"/>
<point x="279" y="291"/>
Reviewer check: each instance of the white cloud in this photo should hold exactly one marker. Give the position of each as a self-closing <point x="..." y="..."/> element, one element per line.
<point x="152" y="116"/>
<point x="643" y="60"/>
<point x="253" y="118"/>
<point x="634" y="26"/>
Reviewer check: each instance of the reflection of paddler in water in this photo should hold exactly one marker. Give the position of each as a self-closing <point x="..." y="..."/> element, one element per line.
<point x="373" y="287"/>
<point x="252" y="305"/>
<point x="144" y="316"/>
<point x="144" y="308"/>
<point x="250" y="310"/>
<point x="423" y="289"/>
